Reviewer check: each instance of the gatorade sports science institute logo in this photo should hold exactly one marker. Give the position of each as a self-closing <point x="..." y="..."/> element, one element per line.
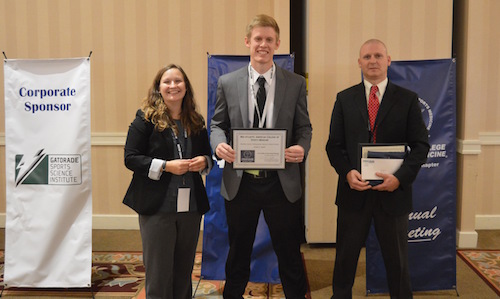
<point x="44" y="169"/>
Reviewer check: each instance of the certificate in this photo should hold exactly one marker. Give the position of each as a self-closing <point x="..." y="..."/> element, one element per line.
<point x="259" y="148"/>
<point x="369" y="166"/>
<point x="380" y="157"/>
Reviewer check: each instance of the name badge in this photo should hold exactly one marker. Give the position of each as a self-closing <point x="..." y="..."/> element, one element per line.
<point x="183" y="199"/>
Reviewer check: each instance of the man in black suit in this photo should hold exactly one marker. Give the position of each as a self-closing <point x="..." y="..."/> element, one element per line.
<point x="399" y="120"/>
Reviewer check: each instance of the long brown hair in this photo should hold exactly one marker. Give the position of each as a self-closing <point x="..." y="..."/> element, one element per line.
<point x="156" y="111"/>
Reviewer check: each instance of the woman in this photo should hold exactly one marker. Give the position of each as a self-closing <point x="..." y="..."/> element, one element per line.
<point x="168" y="150"/>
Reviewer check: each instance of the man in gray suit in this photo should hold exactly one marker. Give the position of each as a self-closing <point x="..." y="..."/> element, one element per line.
<point x="277" y="192"/>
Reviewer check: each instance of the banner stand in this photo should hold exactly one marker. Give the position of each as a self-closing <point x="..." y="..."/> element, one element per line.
<point x="48" y="227"/>
<point x="432" y="223"/>
<point x="264" y="264"/>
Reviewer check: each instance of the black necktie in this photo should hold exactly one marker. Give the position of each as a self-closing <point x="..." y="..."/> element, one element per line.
<point x="261" y="101"/>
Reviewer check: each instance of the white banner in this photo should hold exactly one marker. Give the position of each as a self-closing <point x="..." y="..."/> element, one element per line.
<point x="48" y="230"/>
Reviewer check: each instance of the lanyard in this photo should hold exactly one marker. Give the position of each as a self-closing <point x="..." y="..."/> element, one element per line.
<point x="262" y="118"/>
<point x="177" y="143"/>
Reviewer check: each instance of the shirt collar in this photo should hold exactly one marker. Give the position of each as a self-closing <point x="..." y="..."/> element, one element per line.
<point x="381" y="86"/>
<point x="269" y="75"/>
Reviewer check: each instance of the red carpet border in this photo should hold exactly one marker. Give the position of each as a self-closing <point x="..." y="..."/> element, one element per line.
<point x="486" y="263"/>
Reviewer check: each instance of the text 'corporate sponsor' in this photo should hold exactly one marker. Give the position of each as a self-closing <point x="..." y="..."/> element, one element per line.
<point x="44" y="100"/>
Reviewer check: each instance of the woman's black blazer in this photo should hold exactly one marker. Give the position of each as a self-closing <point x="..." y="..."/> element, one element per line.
<point x="144" y="195"/>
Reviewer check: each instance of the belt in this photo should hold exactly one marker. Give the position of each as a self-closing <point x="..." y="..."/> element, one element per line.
<point x="262" y="174"/>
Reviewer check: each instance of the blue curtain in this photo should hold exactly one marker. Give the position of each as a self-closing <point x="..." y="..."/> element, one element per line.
<point x="432" y="229"/>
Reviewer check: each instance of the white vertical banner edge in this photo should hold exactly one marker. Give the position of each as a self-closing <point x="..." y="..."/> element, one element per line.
<point x="48" y="229"/>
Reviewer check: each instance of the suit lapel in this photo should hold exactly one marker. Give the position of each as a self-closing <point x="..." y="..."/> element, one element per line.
<point x="387" y="102"/>
<point x="360" y="101"/>
<point x="242" y="98"/>
<point x="279" y="95"/>
<point x="242" y="90"/>
<point x="167" y="136"/>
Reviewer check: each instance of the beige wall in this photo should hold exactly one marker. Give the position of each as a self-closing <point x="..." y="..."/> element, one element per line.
<point x="410" y="29"/>
<point x="131" y="39"/>
<point x="478" y="108"/>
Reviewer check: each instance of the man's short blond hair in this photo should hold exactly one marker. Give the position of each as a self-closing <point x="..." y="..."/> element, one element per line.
<point x="263" y="21"/>
<point x="374" y="41"/>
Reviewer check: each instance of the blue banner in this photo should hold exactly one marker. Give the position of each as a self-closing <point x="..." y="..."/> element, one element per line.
<point x="264" y="265"/>
<point x="431" y="234"/>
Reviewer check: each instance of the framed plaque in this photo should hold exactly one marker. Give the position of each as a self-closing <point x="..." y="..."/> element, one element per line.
<point x="259" y="148"/>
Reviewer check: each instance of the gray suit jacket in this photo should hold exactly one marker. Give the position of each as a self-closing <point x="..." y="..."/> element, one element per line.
<point x="290" y="113"/>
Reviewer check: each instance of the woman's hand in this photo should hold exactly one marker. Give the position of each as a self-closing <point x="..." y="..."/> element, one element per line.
<point x="178" y="167"/>
<point x="197" y="164"/>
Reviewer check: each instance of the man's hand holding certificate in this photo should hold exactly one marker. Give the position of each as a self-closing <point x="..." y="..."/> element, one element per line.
<point x="380" y="159"/>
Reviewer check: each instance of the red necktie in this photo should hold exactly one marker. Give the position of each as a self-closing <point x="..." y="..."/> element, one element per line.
<point x="373" y="105"/>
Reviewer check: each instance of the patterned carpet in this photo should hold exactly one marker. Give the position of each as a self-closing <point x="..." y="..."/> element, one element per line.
<point x="212" y="289"/>
<point x="121" y="275"/>
<point x="486" y="263"/>
<point x="114" y="274"/>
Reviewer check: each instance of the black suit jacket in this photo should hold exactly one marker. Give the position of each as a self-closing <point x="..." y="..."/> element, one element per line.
<point x="399" y="120"/>
<point x="144" y="195"/>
